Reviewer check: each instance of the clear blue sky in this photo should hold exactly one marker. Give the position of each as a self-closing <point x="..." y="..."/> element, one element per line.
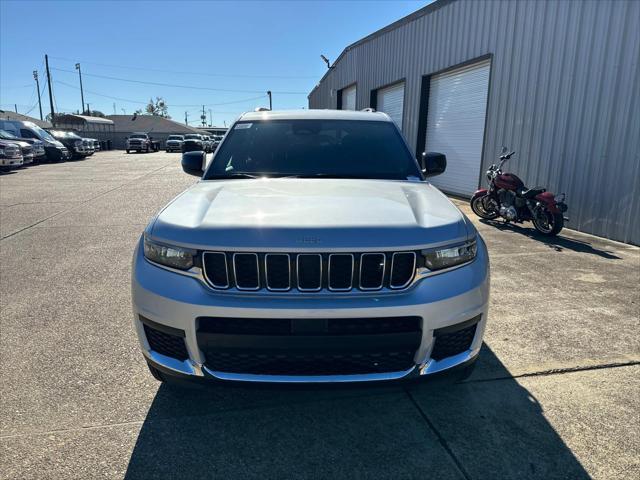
<point x="246" y="47"/>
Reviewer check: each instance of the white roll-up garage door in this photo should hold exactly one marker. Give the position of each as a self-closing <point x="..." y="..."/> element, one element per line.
<point x="455" y="125"/>
<point x="391" y="102"/>
<point x="349" y="98"/>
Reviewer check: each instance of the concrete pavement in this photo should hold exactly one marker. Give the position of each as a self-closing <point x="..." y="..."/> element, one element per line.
<point x="555" y="393"/>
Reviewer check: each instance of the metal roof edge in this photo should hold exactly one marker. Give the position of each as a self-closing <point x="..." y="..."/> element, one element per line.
<point x="437" y="4"/>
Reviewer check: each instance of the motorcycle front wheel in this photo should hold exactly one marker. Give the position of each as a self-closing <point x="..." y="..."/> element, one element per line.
<point x="479" y="208"/>
<point x="549" y="223"/>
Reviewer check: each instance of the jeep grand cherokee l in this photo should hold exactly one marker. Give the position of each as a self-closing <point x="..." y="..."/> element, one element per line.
<point x="313" y="249"/>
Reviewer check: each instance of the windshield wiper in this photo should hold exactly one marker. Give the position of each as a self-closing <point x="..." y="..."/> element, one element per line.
<point x="322" y="175"/>
<point x="230" y="176"/>
<point x="337" y="175"/>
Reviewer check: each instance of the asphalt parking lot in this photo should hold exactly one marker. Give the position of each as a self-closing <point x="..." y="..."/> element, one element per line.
<point x="556" y="393"/>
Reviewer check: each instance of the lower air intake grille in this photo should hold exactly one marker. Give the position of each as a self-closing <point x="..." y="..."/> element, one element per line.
<point x="451" y="343"/>
<point x="310" y="364"/>
<point x="166" y="344"/>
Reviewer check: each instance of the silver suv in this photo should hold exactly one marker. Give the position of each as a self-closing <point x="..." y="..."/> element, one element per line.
<point x="313" y="249"/>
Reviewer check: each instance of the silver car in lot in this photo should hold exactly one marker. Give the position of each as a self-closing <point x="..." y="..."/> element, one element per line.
<point x="174" y="143"/>
<point x="313" y="249"/>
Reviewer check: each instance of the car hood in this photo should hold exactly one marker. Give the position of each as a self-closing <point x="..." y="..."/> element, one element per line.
<point x="310" y="214"/>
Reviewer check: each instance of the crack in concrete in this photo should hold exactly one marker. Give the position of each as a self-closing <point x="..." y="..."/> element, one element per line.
<point x="558" y="371"/>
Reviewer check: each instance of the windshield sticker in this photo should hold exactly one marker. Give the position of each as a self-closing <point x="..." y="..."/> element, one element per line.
<point x="242" y="126"/>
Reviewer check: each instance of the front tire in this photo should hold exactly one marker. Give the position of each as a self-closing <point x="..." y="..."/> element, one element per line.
<point x="127" y="150"/>
<point x="549" y="223"/>
<point x="478" y="207"/>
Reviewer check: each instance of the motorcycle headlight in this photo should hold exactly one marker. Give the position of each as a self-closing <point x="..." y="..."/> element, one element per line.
<point x="170" y="256"/>
<point x="447" y="257"/>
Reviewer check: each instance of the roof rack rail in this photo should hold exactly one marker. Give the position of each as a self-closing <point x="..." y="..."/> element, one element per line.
<point x="368" y="109"/>
<point x="261" y="109"/>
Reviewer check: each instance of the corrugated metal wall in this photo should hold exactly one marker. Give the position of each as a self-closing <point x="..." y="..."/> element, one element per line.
<point x="564" y="93"/>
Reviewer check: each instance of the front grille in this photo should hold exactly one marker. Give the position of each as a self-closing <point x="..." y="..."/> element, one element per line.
<point x="165" y="343"/>
<point x="450" y="343"/>
<point x="306" y="272"/>
<point x="310" y="364"/>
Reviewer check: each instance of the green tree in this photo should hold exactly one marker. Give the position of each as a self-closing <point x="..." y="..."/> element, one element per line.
<point x="158" y="108"/>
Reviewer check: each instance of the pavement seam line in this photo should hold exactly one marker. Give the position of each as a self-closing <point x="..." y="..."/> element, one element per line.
<point x="79" y="204"/>
<point x="559" y="371"/>
<point x="441" y="440"/>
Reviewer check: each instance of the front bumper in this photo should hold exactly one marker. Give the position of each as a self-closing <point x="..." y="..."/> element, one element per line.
<point x="11" y="162"/>
<point x="175" y="301"/>
<point x="55" y="154"/>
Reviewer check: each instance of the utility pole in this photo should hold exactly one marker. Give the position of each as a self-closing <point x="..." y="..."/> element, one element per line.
<point x="270" y="103"/>
<point x="210" y="118"/>
<point x="15" y="105"/>
<point x="88" y="111"/>
<point x="203" y="117"/>
<point x="186" y="117"/>
<point x="81" y="91"/>
<point x="53" y="113"/>
<point x="114" y="108"/>
<point x="35" y="76"/>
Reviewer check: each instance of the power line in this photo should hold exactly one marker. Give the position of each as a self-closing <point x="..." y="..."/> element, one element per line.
<point x="228" y="75"/>
<point x="191" y="87"/>
<point x="242" y="100"/>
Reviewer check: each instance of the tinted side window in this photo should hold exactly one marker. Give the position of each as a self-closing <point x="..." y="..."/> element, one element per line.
<point x="25" y="133"/>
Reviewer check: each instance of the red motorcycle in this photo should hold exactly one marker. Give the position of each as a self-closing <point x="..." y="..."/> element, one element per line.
<point x="507" y="197"/>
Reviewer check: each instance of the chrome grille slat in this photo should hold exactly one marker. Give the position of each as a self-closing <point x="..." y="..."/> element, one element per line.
<point x="237" y="257"/>
<point x="364" y="270"/>
<point x="270" y="280"/>
<point x="210" y="276"/>
<point x="394" y="271"/>
<point x="307" y="257"/>
<point x="331" y="280"/>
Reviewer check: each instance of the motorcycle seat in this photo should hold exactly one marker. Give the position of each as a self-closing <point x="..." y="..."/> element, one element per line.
<point x="531" y="192"/>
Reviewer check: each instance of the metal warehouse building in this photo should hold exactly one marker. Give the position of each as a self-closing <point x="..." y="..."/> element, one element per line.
<point x="556" y="81"/>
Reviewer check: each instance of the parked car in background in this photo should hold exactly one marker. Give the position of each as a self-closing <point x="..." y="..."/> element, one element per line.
<point x="193" y="142"/>
<point x="314" y="249"/>
<point x="35" y="151"/>
<point x="96" y="144"/>
<point x="74" y="143"/>
<point x="88" y="145"/>
<point x="174" y="143"/>
<point x="54" y="149"/>
<point x="216" y="141"/>
<point x="10" y="155"/>
<point x="141" y="142"/>
<point x="208" y="143"/>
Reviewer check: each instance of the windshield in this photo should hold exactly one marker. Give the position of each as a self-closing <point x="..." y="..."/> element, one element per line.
<point x="191" y="137"/>
<point x="59" y="134"/>
<point x="6" y="135"/>
<point x="175" y="137"/>
<point x="40" y="132"/>
<point x="141" y="135"/>
<point x="314" y="148"/>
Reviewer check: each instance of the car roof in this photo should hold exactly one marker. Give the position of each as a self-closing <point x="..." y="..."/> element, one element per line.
<point x="315" y="115"/>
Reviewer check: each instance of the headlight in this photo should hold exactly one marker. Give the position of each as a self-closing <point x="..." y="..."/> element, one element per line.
<point x="450" y="256"/>
<point x="170" y="256"/>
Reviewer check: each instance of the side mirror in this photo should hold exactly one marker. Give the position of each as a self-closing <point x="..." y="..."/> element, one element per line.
<point x="433" y="163"/>
<point x="193" y="163"/>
